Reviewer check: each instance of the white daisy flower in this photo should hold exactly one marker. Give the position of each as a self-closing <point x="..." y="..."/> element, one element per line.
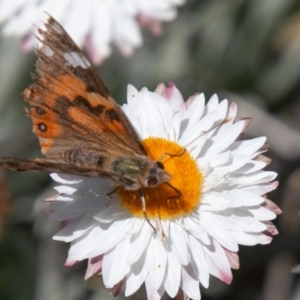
<point x="94" y="24"/>
<point x="222" y="203"/>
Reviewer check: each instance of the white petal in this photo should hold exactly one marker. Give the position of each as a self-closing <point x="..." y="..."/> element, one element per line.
<point x="212" y="103"/>
<point x="195" y="147"/>
<point x="178" y="243"/>
<point x="216" y="230"/>
<point x="114" y="266"/>
<point x="261" y="213"/>
<point x="152" y="292"/>
<point x="251" y="239"/>
<point x="94" y="267"/>
<point x="65" y="179"/>
<point x="246" y="198"/>
<point x="261" y="189"/>
<point x="76" y="31"/>
<point x="240" y="220"/>
<point x="215" y="161"/>
<point x="158" y="262"/>
<point x="110" y="238"/>
<point x="132" y="96"/>
<point x="200" y="261"/>
<point x="110" y="214"/>
<point x="213" y="202"/>
<point x="256" y="177"/>
<point x="75" y="228"/>
<point x="196" y="131"/>
<point x="189" y="285"/>
<point x="139" y="242"/>
<point x="222" y="111"/>
<point x="173" y="275"/>
<point x="7" y="8"/>
<point x="247" y="146"/>
<point x="194" y="111"/>
<point x="64" y="189"/>
<point x="80" y="247"/>
<point x="225" y="137"/>
<point x="77" y="207"/>
<point x="218" y="263"/>
<point x="137" y="276"/>
<point x="233" y="259"/>
<point x="250" y="167"/>
<point x="232" y="111"/>
<point x="99" y="240"/>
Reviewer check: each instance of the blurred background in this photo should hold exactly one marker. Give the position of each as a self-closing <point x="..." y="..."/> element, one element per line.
<point x="245" y="50"/>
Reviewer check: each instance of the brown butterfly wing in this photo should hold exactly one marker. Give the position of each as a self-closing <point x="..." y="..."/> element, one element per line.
<point x="73" y="113"/>
<point x="15" y="164"/>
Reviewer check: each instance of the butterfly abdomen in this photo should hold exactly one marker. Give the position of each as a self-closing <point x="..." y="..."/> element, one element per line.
<point x="84" y="157"/>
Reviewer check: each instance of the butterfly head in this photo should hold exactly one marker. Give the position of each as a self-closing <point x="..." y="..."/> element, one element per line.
<point x="156" y="175"/>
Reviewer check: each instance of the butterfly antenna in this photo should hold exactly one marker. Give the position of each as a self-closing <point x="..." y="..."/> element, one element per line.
<point x="144" y="209"/>
<point x="179" y="153"/>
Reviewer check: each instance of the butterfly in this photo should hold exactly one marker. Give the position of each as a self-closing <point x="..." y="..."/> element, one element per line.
<point x="81" y="129"/>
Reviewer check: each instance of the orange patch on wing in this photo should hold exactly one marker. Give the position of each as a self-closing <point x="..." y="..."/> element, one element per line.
<point x="45" y="144"/>
<point x="76" y="87"/>
<point x="114" y="125"/>
<point x="95" y="124"/>
<point x="86" y="120"/>
<point x="43" y="113"/>
<point x="46" y="132"/>
<point x="45" y="122"/>
<point x="45" y="129"/>
<point x="64" y="86"/>
<point x="95" y="99"/>
<point x="48" y="89"/>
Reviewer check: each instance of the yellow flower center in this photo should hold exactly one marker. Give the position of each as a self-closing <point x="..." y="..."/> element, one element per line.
<point x="163" y="201"/>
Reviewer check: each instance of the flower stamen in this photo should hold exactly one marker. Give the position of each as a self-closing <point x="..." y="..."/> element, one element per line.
<point x="179" y="196"/>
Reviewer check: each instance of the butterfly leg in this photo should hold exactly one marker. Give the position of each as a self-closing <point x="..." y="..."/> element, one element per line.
<point x="175" y="189"/>
<point x="171" y="155"/>
<point x="144" y="209"/>
<point x="108" y="195"/>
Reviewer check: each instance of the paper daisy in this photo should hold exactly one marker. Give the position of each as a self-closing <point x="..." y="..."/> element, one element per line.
<point x="222" y="202"/>
<point x="94" y="24"/>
